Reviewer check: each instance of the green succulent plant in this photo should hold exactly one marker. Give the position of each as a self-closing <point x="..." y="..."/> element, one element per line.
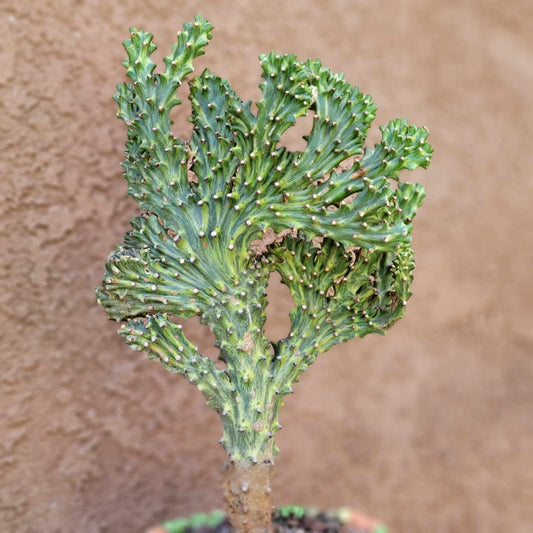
<point x="342" y="240"/>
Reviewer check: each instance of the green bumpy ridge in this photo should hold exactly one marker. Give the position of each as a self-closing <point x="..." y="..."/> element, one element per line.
<point x="343" y="243"/>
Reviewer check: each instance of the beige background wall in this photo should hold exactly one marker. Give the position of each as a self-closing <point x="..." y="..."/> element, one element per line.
<point x="429" y="428"/>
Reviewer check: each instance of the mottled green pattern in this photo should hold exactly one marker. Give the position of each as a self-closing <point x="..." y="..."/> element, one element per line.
<point x="345" y="253"/>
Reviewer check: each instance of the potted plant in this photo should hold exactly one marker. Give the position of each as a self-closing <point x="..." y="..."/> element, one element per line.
<point x="340" y="239"/>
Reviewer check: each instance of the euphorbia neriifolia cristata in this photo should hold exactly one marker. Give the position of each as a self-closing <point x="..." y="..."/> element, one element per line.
<point x="340" y="235"/>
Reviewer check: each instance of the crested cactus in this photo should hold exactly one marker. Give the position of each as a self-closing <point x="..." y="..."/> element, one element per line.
<point x="342" y="240"/>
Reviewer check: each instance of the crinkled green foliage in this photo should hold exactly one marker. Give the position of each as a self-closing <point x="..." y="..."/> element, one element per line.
<point x="345" y="253"/>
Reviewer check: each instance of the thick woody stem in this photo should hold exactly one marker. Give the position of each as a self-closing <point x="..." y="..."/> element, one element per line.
<point x="247" y="492"/>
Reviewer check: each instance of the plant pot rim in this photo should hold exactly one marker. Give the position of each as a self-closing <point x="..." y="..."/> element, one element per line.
<point x="347" y="517"/>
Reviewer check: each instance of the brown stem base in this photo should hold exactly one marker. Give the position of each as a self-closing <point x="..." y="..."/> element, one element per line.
<point x="247" y="492"/>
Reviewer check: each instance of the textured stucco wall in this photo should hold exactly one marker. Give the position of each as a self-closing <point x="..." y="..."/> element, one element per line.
<point x="427" y="428"/>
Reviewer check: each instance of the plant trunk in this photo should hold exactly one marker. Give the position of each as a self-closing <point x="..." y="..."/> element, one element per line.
<point x="247" y="492"/>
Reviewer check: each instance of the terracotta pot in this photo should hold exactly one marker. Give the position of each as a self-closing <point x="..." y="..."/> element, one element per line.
<point x="347" y="520"/>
